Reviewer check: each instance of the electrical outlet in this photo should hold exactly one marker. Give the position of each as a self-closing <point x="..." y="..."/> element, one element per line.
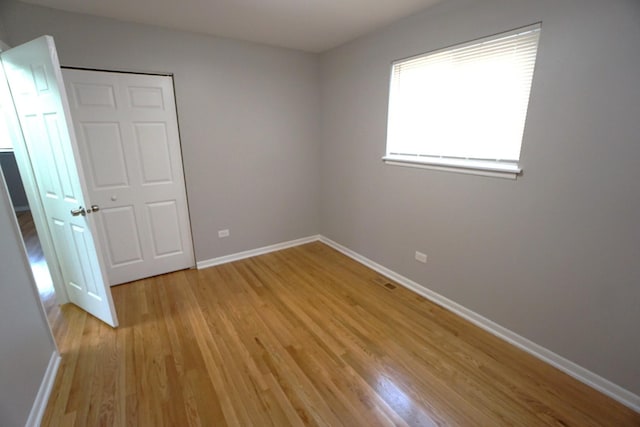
<point x="223" y="233"/>
<point x="421" y="257"/>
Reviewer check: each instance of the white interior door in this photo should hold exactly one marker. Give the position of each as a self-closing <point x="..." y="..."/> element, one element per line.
<point x="127" y="132"/>
<point x="33" y="73"/>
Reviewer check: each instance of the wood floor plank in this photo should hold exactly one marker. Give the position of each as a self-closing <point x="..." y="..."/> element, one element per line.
<point x="301" y="337"/>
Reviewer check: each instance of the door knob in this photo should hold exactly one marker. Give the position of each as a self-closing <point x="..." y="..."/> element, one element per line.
<point x="78" y="212"/>
<point x="94" y="208"/>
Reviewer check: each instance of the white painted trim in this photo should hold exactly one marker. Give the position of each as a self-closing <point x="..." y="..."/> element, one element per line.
<point x="42" y="398"/>
<point x="591" y="379"/>
<point x="455" y="168"/>
<point x="255" y="252"/>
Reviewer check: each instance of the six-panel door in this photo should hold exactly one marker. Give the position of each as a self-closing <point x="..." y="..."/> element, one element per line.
<point x="127" y="133"/>
<point x="33" y="73"/>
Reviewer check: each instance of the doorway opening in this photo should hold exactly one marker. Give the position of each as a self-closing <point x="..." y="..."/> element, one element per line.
<point x="33" y="246"/>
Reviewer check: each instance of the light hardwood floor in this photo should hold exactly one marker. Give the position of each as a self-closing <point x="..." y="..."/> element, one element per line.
<point x="303" y="336"/>
<point x="38" y="266"/>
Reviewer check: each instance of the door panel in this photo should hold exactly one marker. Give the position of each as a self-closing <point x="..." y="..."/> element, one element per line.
<point x="165" y="241"/>
<point x="105" y="155"/>
<point x="33" y="73"/>
<point x="153" y="149"/>
<point x="93" y="95"/>
<point x="146" y="97"/>
<point x="128" y="136"/>
<point x="121" y="231"/>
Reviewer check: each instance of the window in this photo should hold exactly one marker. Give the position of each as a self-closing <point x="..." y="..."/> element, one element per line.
<point x="463" y="108"/>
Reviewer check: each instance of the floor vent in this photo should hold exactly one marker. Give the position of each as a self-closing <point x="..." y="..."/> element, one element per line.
<point x="383" y="281"/>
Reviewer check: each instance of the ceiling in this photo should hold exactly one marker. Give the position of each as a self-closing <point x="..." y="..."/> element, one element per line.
<point x="309" y="25"/>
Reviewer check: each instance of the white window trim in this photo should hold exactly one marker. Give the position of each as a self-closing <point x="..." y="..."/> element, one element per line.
<point x="465" y="166"/>
<point x="491" y="168"/>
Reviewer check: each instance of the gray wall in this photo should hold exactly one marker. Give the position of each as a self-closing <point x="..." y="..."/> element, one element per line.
<point x="552" y="256"/>
<point x="27" y="344"/>
<point x="247" y="113"/>
<point x="3" y="33"/>
<point x="14" y="182"/>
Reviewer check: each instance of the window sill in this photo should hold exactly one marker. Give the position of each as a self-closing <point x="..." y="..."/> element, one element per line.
<point x="470" y="167"/>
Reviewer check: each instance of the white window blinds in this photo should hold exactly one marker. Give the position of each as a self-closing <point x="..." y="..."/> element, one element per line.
<point x="464" y="102"/>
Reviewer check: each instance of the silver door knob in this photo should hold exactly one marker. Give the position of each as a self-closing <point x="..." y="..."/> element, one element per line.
<point x="78" y="212"/>
<point x="94" y="208"/>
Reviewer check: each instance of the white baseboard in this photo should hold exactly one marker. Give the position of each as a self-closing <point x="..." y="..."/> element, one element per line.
<point x="255" y="252"/>
<point x="593" y="380"/>
<point x="42" y="398"/>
